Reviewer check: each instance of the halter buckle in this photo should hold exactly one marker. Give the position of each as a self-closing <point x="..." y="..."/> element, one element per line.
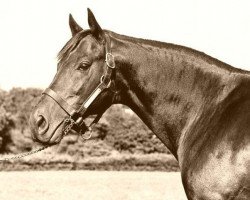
<point x="110" y="60"/>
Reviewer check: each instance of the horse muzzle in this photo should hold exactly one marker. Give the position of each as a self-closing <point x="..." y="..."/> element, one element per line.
<point x="43" y="131"/>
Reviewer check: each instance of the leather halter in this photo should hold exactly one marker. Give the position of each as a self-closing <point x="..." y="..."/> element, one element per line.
<point x="76" y="116"/>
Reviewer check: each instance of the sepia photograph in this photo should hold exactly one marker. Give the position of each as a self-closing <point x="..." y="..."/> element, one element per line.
<point x="124" y="100"/>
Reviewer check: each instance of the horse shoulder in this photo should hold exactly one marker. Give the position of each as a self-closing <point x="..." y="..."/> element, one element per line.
<point x="222" y="170"/>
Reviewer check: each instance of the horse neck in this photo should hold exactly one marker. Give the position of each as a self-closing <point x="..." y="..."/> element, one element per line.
<point x="168" y="86"/>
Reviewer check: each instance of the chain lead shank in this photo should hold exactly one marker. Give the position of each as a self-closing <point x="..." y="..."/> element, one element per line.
<point x="23" y="154"/>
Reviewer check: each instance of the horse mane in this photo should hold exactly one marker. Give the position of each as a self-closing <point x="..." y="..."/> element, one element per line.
<point x="163" y="45"/>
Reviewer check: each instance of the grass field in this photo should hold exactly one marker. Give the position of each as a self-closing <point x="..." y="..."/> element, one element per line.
<point x="90" y="185"/>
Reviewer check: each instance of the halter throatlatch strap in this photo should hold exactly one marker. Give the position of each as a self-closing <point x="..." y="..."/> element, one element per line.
<point x="105" y="82"/>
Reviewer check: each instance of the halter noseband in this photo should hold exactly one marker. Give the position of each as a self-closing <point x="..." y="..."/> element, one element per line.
<point x="76" y="116"/>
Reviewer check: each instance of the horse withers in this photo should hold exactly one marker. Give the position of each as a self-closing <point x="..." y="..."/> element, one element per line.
<point x="198" y="106"/>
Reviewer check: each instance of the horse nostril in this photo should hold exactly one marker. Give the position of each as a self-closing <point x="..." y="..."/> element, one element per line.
<point x="41" y="124"/>
<point x="40" y="121"/>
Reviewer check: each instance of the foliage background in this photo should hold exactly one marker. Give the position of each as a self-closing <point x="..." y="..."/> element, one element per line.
<point x="120" y="140"/>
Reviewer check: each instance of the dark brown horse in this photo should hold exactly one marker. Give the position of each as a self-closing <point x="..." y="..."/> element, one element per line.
<point x="198" y="106"/>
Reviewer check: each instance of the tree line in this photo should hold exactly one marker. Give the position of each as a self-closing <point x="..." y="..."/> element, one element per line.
<point x="118" y="130"/>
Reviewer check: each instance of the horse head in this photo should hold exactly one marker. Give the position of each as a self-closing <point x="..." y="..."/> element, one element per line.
<point x="81" y="87"/>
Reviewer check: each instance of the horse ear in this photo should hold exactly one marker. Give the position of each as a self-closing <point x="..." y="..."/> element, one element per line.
<point x="94" y="26"/>
<point x="74" y="27"/>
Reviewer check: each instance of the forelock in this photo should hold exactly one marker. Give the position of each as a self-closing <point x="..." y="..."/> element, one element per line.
<point x="72" y="44"/>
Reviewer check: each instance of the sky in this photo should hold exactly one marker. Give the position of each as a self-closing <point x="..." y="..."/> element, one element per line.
<point x="32" y="32"/>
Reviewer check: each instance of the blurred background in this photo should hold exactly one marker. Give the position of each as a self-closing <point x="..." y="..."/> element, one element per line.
<point x="33" y="32"/>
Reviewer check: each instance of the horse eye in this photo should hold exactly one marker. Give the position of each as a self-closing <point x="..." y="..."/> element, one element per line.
<point x="83" y="66"/>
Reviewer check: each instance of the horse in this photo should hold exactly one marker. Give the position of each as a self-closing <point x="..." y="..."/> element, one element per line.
<point x="198" y="106"/>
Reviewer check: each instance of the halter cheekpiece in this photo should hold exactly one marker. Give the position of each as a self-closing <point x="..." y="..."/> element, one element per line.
<point x="75" y="118"/>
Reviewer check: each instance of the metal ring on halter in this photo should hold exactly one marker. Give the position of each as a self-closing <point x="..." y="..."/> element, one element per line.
<point x="102" y="79"/>
<point x="88" y="134"/>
